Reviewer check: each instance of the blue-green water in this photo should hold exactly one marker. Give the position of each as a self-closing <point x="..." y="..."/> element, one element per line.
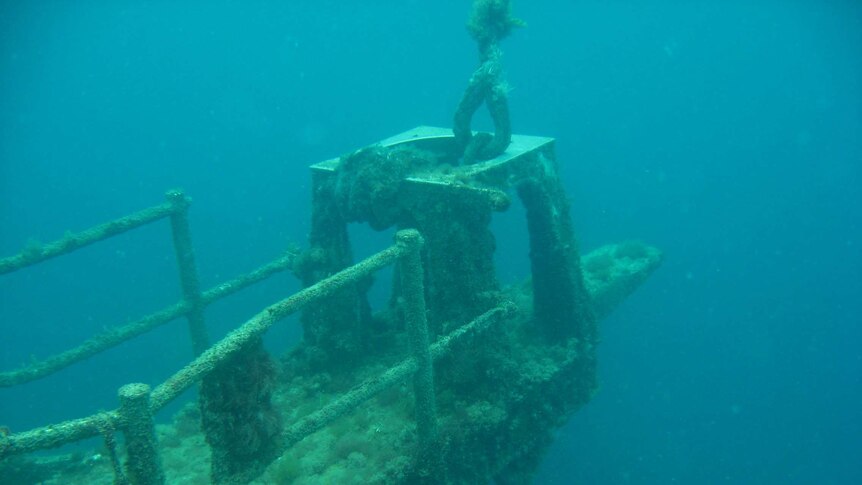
<point x="729" y="134"/>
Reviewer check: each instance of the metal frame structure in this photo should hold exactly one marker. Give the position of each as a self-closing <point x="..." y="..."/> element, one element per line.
<point x="445" y="291"/>
<point x="138" y="403"/>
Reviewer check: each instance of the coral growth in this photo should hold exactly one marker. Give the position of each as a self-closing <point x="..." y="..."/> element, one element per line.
<point x="491" y="21"/>
<point x="369" y="180"/>
<point x="238" y="417"/>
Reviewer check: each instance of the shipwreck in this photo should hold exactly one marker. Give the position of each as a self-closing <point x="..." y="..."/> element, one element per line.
<point x="455" y="379"/>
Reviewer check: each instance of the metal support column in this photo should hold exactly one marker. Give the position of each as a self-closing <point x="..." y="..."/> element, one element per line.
<point x="417" y="335"/>
<point x="143" y="466"/>
<point x="188" y="271"/>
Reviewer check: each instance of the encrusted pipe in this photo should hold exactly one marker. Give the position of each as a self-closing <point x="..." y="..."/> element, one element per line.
<point x="117" y="335"/>
<point x="143" y="466"/>
<point x="369" y="388"/>
<point x="261" y="322"/>
<point x="413" y="290"/>
<point x="188" y="271"/>
<point x="36" y="253"/>
<point x="111" y="449"/>
<point x="58" y="434"/>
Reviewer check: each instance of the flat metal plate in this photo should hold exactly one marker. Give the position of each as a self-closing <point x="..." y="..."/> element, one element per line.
<point x="441" y="140"/>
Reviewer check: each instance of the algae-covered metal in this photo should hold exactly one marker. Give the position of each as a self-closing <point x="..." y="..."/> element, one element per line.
<point x="495" y="370"/>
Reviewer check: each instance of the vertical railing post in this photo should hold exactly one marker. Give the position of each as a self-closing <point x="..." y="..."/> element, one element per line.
<point x="188" y="271"/>
<point x="413" y="288"/>
<point x="143" y="465"/>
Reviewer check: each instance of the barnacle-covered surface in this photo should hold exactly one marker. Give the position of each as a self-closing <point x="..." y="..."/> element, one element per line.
<point x="495" y="417"/>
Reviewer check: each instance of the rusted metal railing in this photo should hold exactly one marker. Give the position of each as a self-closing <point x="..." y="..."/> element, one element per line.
<point x="138" y="405"/>
<point x="36" y="253"/>
<point x="192" y="305"/>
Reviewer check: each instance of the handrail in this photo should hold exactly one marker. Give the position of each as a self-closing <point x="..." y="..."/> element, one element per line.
<point x="115" y="336"/>
<point x="261" y="322"/>
<point x="62" y="433"/>
<point x="138" y="404"/>
<point x="36" y="253"/>
<point x="59" y="434"/>
<point x="395" y="374"/>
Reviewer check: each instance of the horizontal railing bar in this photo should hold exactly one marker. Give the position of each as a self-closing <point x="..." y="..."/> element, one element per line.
<point x="36" y="253"/>
<point x="92" y="346"/>
<point x="244" y="281"/>
<point x="115" y="336"/>
<point x="373" y="386"/>
<point x="77" y="429"/>
<point x="261" y="322"/>
<point x="59" y="434"/>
